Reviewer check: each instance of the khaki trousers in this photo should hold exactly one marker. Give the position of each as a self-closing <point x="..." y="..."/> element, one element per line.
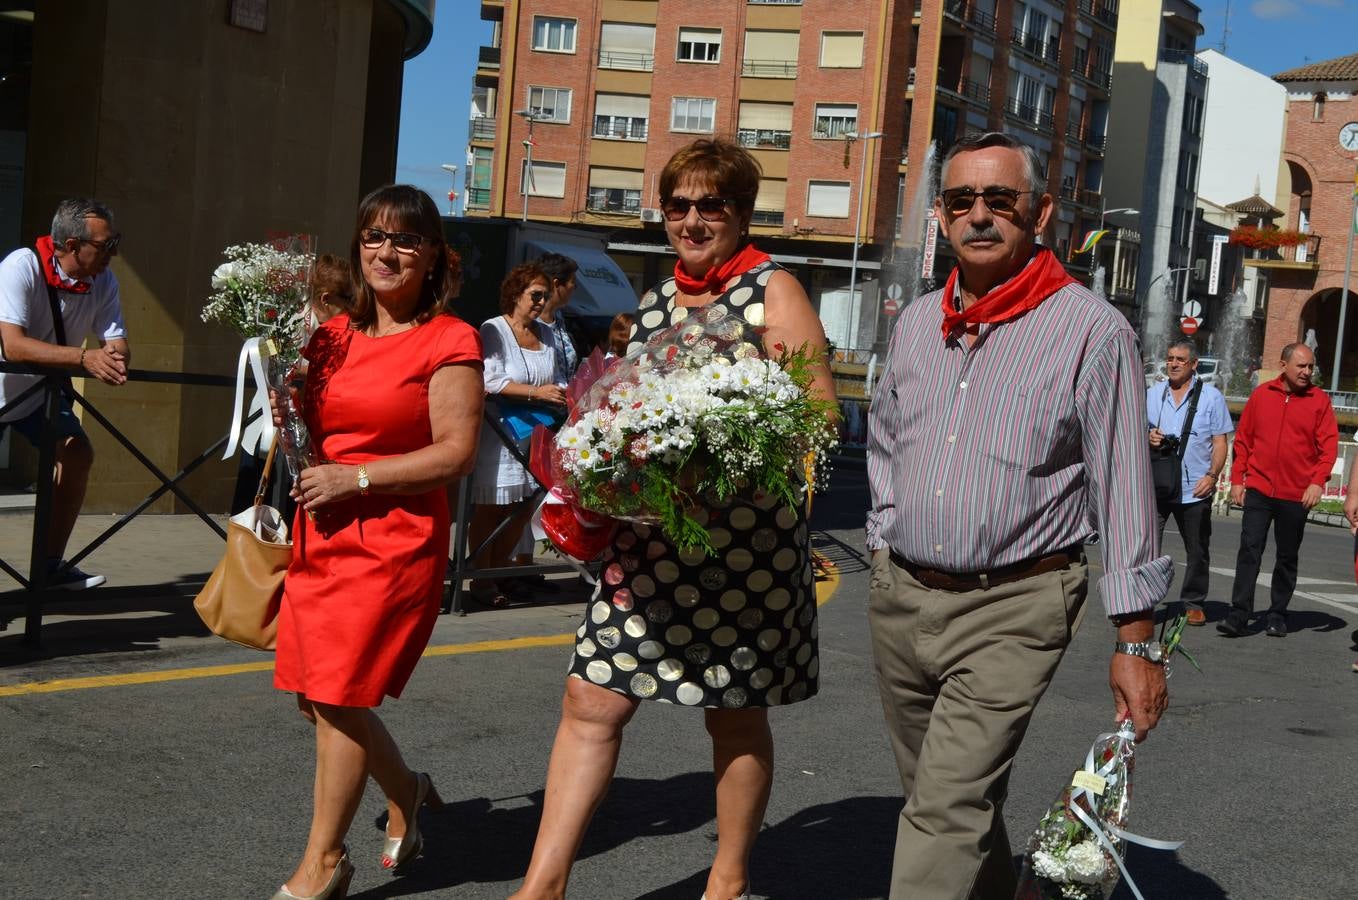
<point x="960" y="675"/>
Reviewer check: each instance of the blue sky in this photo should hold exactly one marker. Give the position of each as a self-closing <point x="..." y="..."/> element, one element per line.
<point x="1269" y="36"/>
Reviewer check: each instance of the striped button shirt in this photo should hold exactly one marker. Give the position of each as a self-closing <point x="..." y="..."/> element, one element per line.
<point x="1016" y="447"/>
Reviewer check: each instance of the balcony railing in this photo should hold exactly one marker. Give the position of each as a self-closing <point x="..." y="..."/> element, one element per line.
<point x="980" y="19"/>
<point x="478" y="198"/>
<point x="974" y="91"/>
<point x="488" y="58"/>
<point x="769" y="68"/>
<point x="1184" y="58"/>
<point x="632" y="60"/>
<point x="613" y="200"/>
<point x="1100" y="13"/>
<point x="620" y="128"/>
<point x="481" y="128"/>
<point x="1096" y="142"/>
<point x="767" y="217"/>
<point x="764" y="138"/>
<point x="1305" y="255"/>
<point x="955" y="9"/>
<point x="1036" y="46"/>
<point x="1029" y="115"/>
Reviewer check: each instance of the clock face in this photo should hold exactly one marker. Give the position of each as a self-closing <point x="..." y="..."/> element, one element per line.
<point x="1348" y="136"/>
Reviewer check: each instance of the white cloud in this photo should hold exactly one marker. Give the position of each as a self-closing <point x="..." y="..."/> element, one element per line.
<point x="1275" y="9"/>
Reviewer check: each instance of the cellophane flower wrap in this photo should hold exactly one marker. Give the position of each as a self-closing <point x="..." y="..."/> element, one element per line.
<point x="698" y="411"/>
<point x="263" y="291"/>
<point x="1076" y="851"/>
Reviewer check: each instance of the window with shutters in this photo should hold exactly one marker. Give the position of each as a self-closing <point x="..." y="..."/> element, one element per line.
<point x="549" y="104"/>
<point x="829" y="199"/>
<point x="765" y="125"/>
<point x="547" y="179"/>
<point x="614" y="190"/>
<point x="699" y="45"/>
<point x="621" y="116"/>
<point x="841" y="49"/>
<point x="692" y="114"/>
<point x="835" y="120"/>
<point x="770" y="54"/>
<point x="770" y="202"/>
<point x="623" y="45"/>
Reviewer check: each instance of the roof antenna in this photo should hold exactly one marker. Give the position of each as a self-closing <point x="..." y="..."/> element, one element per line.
<point x="1225" y="27"/>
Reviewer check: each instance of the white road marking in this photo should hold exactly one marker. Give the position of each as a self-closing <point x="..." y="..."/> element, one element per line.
<point x="1346" y="602"/>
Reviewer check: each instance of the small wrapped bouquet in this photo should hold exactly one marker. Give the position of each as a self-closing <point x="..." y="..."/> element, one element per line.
<point x="1076" y="851"/>
<point x="699" y="411"/>
<point x="262" y="292"/>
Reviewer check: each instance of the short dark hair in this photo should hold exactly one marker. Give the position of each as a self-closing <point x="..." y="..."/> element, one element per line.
<point x="517" y="281"/>
<point x="1293" y="348"/>
<point x="557" y="267"/>
<point x="729" y="167"/>
<point x="1037" y="182"/>
<point x="333" y="275"/>
<point x="409" y="209"/>
<point x="1184" y="344"/>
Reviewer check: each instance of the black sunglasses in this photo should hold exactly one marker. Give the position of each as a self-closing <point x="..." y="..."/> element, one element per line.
<point x="537" y="296"/>
<point x="403" y="241"/>
<point x="1001" y="201"/>
<point x="108" y="246"/>
<point x="710" y="209"/>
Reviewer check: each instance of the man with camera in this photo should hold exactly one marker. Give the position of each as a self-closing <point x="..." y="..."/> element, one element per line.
<point x="1284" y="450"/>
<point x="1189" y="423"/>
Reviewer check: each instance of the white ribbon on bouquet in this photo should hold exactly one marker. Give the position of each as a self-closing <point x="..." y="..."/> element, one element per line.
<point x="259" y="433"/>
<point x="1092" y="823"/>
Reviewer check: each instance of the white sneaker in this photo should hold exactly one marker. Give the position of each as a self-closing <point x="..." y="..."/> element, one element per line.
<point x="65" y="577"/>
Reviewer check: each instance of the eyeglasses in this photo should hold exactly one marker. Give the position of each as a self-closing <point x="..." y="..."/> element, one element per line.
<point x="106" y="247"/>
<point x="403" y="241"/>
<point x="537" y="296"/>
<point x="710" y="209"/>
<point x="1001" y="201"/>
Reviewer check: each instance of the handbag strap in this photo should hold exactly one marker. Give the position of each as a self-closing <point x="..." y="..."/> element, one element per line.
<point x="1188" y="420"/>
<point x="57" y="322"/>
<point x="268" y="471"/>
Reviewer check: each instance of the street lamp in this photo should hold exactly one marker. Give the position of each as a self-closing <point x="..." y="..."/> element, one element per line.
<point x="857" y="230"/>
<point x="452" y="194"/>
<point x="532" y="116"/>
<point x="1112" y="212"/>
<point x="1150" y="289"/>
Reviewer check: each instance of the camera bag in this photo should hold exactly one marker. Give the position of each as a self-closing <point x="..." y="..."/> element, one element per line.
<point x="1167" y="468"/>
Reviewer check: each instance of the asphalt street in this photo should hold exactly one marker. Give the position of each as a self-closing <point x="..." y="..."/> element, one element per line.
<point x="175" y="770"/>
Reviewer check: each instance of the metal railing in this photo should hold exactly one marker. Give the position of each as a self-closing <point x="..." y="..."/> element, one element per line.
<point x="769" y="68"/>
<point x="620" y="127"/>
<point x="1184" y="58"/>
<point x="478" y="198"/>
<point x="482" y="128"/>
<point x="631" y="60"/>
<point x="766" y="138"/>
<point x="767" y="217"/>
<point x="1099" y="12"/>
<point x="975" y="91"/>
<point x="53" y="386"/>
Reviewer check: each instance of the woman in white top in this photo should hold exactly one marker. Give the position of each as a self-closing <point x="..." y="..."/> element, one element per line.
<point x="521" y="382"/>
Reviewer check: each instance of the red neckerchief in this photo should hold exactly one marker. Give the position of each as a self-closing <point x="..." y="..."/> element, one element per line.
<point x="1039" y="279"/>
<point x="47" y="261"/>
<point x="717" y="276"/>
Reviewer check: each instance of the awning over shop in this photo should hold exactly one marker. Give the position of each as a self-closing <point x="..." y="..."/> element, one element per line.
<point x="601" y="288"/>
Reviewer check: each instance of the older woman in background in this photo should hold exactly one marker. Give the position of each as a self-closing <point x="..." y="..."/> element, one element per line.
<point x="523" y="381"/>
<point x="393" y="401"/>
<point x="734" y="634"/>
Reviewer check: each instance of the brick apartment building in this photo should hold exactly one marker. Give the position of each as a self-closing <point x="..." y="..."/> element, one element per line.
<point x="609" y="89"/>
<point x="1321" y="154"/>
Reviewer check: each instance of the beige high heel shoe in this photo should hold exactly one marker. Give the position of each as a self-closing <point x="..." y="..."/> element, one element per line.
<point x="336" y="888"/>
<point x="396" y="852"/>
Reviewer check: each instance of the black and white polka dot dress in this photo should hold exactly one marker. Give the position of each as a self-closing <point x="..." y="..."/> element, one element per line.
<point x="734" y="630"/>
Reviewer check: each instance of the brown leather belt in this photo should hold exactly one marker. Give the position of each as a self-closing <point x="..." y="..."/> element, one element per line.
<point x="958" y="582"/>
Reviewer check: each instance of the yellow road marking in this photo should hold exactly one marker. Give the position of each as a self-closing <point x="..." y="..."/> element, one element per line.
<point x="825" y="589"/>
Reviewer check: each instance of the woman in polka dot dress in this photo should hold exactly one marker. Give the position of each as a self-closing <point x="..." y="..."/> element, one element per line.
<point x="734" y="633"/>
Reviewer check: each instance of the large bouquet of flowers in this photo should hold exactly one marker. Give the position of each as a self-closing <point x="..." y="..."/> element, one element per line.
<point x="262" y="292"/>
<point x="1076" y="851"/>
<point x="697" y="412"/>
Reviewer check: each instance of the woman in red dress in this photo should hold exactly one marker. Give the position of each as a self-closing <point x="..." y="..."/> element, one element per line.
<point x="393" y="400"/>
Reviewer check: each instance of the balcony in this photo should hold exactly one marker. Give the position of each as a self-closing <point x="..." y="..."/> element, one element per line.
<point x="614" y="201"/>
<point x="980" y="19"/>
<point x="975" y="92"/>
<point x="1100" y="13"/>
<point x="769" y="68"/>
<point x="767" y="217"/>
<point x="481" y="129"/>
<point x="1035" y="46"/>
<point x="620" y="128"/>
<point x="1096" y="143"/>
<point x="478" y="198"/>
<point x="1029" y="115"/>
<point x="488" y="58"/>
<point x="1184" y="58"/>
<point x="1304" y="256"/>
<point x="910" y="81"/>
<point x="630" y="60"/>
<point x="764" y="138"/>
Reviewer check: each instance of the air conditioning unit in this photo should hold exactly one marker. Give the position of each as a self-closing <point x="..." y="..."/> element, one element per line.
<point x="651" y="214"/>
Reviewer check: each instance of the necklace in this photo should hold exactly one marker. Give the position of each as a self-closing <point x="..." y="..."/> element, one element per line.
<point x="395" y="328"/>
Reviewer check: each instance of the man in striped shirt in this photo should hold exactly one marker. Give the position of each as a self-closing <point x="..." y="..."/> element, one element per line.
<point x="1010" y="414"/>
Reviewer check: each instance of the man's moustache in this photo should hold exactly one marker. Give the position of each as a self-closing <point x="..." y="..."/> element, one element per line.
<point x="991" y="234"/>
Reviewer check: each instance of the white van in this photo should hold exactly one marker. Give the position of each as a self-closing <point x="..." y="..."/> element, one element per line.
<point x="1208" y="369"/>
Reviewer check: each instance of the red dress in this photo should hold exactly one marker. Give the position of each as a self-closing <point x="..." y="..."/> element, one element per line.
<point x="366" y="578"/>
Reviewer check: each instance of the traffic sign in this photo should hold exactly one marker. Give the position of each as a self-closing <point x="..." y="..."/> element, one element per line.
<point x="1188" y="325"/>
<point x="890" y="306"/>
<point x="1193" y="309"/>
<point x="893" y="291"/>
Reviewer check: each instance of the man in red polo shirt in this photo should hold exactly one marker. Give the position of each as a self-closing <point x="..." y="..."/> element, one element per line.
<point x="1284" y="449"/>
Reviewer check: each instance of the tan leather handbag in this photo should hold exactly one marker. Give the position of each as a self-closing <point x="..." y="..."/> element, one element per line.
<point x="241" y="598"/>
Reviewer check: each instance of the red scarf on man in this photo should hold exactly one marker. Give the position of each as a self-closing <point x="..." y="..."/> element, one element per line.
<point x="717" y="276"/>
<point x="47" y="261"/>
<point x="1039" y="279"/>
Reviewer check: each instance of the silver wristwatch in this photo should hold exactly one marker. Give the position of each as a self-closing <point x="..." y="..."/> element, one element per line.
<point x="1154" y="651"/>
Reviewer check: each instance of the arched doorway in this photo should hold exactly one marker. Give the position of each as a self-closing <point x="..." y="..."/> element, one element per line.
<point x="1320" y="324"/>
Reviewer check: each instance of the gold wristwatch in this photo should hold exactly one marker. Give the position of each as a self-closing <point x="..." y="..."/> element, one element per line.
<point x="363" y="482"/>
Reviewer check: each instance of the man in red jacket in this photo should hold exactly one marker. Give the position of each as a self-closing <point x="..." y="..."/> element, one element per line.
<point x="1284" y="448"/>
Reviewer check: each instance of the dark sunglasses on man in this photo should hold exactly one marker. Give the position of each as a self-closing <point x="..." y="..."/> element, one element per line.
<point x="106" y="247"/>
<point x="1001" y="201"/>
<point x="710" y="209"/>
<point x="403" y="241"/>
